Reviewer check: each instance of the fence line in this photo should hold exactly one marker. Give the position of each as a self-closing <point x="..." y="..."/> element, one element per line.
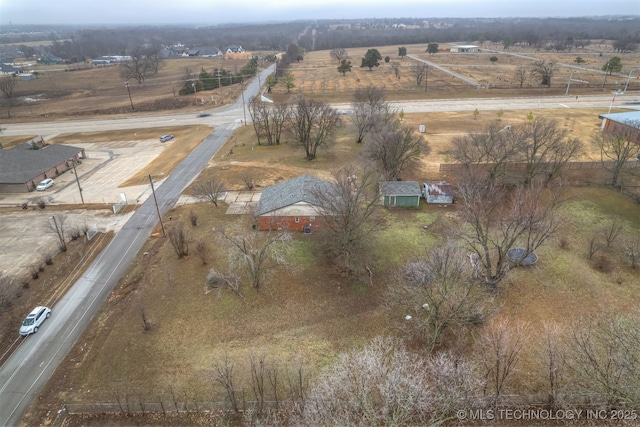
<point x="141" y="407"/>
<point x="519" y="167"/>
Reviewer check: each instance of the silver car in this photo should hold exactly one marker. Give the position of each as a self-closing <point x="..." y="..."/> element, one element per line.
<point x="34" y="320"/>
<point x="45" y="184"/>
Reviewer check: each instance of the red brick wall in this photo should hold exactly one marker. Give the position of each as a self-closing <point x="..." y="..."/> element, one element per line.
<point x="287" y="223"/>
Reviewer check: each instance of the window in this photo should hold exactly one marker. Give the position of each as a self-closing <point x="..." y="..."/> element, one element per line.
<point x="312" y="218"/>
<point x="297" y="220"/>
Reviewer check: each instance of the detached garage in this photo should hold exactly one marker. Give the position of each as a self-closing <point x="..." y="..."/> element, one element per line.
<point x="400" y="193"/>
<point x="23" y="167"/>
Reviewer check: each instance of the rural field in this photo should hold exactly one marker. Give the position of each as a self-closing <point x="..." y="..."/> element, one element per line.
<point x="163" y="337"/>
<point x="76" y="92"/>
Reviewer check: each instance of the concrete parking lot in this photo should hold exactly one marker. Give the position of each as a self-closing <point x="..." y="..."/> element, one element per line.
<point x="25" y="236"/>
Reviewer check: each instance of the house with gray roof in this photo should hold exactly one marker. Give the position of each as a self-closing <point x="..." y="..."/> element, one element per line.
<point x="400" y="193"/>
<point x="24" y="166"/>
<point x="291" y="204"/>
<point x="204" y="51"/>
<point x="628" y="122"/>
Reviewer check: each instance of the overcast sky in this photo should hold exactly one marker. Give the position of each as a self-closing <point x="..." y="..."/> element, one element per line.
<point x="230" y="11"/>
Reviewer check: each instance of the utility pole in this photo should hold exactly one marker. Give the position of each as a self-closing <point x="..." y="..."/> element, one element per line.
<point x="78" y="181"/>
<point x="126" y="84"/>
<point x="244" y="110"/>
<point x="153" y="190"/>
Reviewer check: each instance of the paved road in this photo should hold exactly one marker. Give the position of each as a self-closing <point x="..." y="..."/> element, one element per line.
<point x="37" y="357"/>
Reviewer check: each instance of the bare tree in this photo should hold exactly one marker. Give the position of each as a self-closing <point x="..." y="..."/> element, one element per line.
<point x="268" y="121"/>
<point x="382" y="384"/>
<point x="395" y="67"/>
<point x="257" y="252"/>
<point x="394" y="148"/>
<point x="492" y="148"/>
<point x="339" y="54"/>
<point x="179" y="238"/>
<point x="502" y="341"/>
<point x="221" y="281"/>
<point x="455" y="382"/>
<point x="521" y="76"/>
<point x="313" y="124"/>
<point x="545" y="148"/>
<point x="7" y="88"/>
<point x="139" y="67"/>
<point x="212" y="190"/>
<point x="610" y="232"/>
<point x="419" y="71"/>
<point x="58" y="224"/>
<point x="288" y="81"/>
<point x="616" y="149"/>
<point x="631" y="248"/>
<point x="593" y="244"/>
<point x="369" y="109"/>
<point x="350" y="206"/>
<point x="203" y="251"/>
<point x="604" y="357"/>
<point x="226" y="378"/>
<point x="496" y="220"/>
<point x="553" y="358"/>
<point x="544" y="70"/>
<point x="437" y="294"/>
<point x="249" y="180"/>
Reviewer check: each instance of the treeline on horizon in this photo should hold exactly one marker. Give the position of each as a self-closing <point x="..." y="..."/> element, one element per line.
<point x="81" y="43"/>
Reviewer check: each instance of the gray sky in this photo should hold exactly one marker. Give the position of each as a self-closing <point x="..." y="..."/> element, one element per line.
<point x="225" y="11"/>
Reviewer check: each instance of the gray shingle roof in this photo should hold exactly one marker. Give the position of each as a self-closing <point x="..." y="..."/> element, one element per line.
<point x="630" y="118"/>
<point x="400" y="188"/>
<point x="289" y="192"/>
<point x="21" y="164"/>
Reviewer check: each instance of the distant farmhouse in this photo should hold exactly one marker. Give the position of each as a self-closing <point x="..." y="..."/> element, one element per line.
<point x="235" y="52"/>
<point x="234" y="49"/>
<point x="109" y="60"/>
<point x="6" y="67"/>
<point x="203" y="52"/>
<point x="24" y="166"/>
<point x="464" y="48"/>
<point x="49" y="60"/>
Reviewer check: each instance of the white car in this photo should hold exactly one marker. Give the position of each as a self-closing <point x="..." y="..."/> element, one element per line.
<point x="34" y="320"/>
<point x="165" y="138"/>
<point x="45" y="184"/>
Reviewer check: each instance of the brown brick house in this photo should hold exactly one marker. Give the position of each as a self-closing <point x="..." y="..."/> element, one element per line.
<point x="291" y="205"/>
<point x="24" y="166"/>
<point x="622" y="122"/>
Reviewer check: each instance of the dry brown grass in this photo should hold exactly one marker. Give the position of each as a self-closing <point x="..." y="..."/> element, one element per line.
<point x="317" y="75"/>
<point x="64" y="92"/>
